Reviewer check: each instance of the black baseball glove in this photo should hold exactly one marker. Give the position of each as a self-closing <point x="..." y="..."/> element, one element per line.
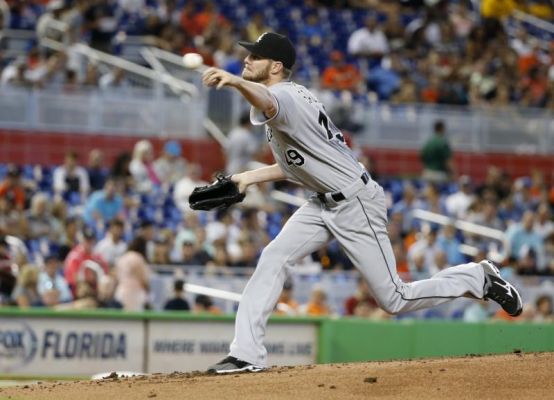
<point x="219" y="195"/>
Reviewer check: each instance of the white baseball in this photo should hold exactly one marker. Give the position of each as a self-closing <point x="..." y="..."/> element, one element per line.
<point x="192" y="60"/>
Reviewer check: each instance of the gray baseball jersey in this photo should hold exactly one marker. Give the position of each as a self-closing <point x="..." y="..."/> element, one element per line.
<point x="305" y="142"/>
<point x="310" y="149"/>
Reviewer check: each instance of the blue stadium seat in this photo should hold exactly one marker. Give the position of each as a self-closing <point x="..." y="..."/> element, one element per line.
<point x="433" y="314"/>
<point x="457" y="314"/>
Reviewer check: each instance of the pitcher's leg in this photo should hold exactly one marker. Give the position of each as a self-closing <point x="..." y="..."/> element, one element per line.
<point x="361" y="230"/>
<point x="302" y="234"/>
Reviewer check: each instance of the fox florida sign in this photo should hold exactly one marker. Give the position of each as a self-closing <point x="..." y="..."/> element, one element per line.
<point x="62" y="346"/>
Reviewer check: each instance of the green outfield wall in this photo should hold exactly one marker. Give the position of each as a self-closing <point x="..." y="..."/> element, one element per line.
<point x="40" y="342"/>
<point x="348" y="340"/>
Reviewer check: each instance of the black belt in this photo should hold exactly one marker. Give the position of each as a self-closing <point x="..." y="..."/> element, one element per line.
<point x="338" y="196"/>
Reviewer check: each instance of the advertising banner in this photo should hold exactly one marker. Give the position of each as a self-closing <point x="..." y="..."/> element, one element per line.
<point x="61" y="346"/>
<point x="195" y="345"/>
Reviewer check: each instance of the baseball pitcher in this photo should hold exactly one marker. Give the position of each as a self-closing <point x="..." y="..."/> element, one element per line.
<point x="347" y="205"/>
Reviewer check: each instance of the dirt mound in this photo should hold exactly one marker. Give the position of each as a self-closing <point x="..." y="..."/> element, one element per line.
<point x="513" y="376"/>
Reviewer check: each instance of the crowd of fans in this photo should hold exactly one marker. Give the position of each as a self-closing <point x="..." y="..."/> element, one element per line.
<point x="84" y="236"/>
<point x="439" y="51"/>
<point x="81" y="236"/>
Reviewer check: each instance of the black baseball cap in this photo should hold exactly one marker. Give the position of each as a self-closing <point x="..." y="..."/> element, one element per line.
<point x="274" y="46"/>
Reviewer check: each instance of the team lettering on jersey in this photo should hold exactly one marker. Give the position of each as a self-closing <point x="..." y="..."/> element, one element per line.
<point x="306" y="95"/>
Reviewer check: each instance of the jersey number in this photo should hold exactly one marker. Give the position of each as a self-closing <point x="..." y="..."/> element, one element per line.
<point x="324" y="122"/>
<point x="293" y="157"/>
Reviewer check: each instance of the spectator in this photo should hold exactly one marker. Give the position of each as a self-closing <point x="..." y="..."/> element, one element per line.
<point x="71" y="179"/>
<point x="544" y="225"/>
<point x="219" y="261"/>
<point x="493" y="12"/>
<point x="171" y="166"/>
<point x="40" y="223"/>
<point x="256" y="27"/>
<point x="12" y="188"/>
<point x="421" y="255"/>
<point x="96" y="171"/>
<point x="52" y="17"/>
<point x="522" y="239"/>
<point x="189" y="257"/>
<point x="433" y="200"/>
<point x="133" y="276"/>
<point x="286" y="305"/>
<point x="178" y="303"/>
<point x="241" y="146"/>
<point x="369" y="41"/>
<point x="11" y="220"/>
<point x="185" y="186"/>
<point x="406" y="94"/>
<point x="458" y="202"/>
<point x="362" y="302"/>
<point x="522" y="195"/>
<point x="450" y="245"/>
<point x="311" y="30"/>
<point x="254" y="227"/>
<point x="248" y="252"/>
<point x="101" y="23"/>
<point x="317" y="306"/>
<point x="147" y="230"/>
<point x="340" y="75"/>
<point x="162" y="251"/>
<point x="120" y="170"/>
<point x="69" y="237"/>
<point x="228" y="56"/>
<point x="104" y="205"/>
<point x="549" y="254"/>
<point x="106" y="293"/>
<point x="386" y="78"/>
<point x="209" y="21"/>
<point x="204" y="304"/>
<point x="7" y="272"/>
<point x="543" y="309"/>
<point x="85" y="298"/>
<point x="74" y="266"/>
<point x="142" y="169"/>
<point x="461" y="19"/>
<point x="406" y="206"/>
<point x="16" y="74"/>
<point x="112" y="246"/>
<point x="186" y="20"/>
<point x="441" y="260"/>
<point x="436" y="156"/>
<point x="186" y="230"/>
<point x="115" y="80"/>
<point x="51" y="280"/>
<point x="26" y="292"/>
<point x="477" y="311"/>
<point x="394" y="30"/>
<point x="497" y="185"/>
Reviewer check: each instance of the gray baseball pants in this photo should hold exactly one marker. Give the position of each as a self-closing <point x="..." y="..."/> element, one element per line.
<point x="359" y="223"/>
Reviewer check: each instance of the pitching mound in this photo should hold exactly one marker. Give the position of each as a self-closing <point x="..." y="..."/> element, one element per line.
<point x="514" y="376"/>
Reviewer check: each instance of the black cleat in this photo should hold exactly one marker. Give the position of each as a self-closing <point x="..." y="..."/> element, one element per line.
<point x="232" y="364"/>
<point x="497" y="289"/>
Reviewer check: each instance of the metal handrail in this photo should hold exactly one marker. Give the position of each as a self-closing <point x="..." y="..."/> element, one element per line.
<point x="153" y="55"/>
<point x="469" y="227"/>
<point x="166" y="56"/>
<point x="126" y="65"/>
<point x="158" y="76"/>
<point x="531" y="19"/>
